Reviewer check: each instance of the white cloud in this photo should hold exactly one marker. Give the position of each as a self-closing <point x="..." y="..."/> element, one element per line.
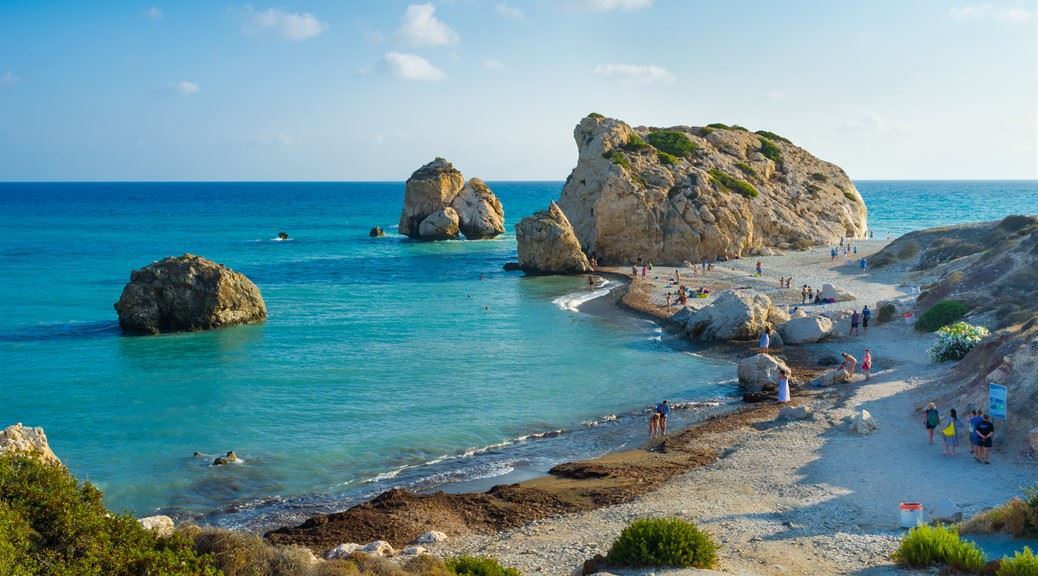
<point x="988" y="11"/>
<point x="289" y="25"/>
<point x="187" y="88"/>
<point x="153" y="13"/>
<point x="409" y="67"/>
<point x="421" y="27"/>
<point x="609" y="5"/>
<point x="776" y="95"/>
<point x="870" y="125"/>
<point x="634" y="73"/>
<point x="9" y="79"/>
<point x="492" y="64"/>
<point x="509" y="11"/>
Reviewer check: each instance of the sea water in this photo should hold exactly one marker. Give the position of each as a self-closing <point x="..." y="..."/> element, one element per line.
<point x="384" y="362"/>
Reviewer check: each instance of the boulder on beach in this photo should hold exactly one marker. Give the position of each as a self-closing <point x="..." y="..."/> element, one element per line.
<point x="759" y="371"/>
<point x="187" y="293"/>
<point x="795" y="413"/>
<point x="440" y="188"/>
<point x="670" y="194"/>
<point x="831" y="378"/>
<point x="342" y="551"/>
<point x="161" y="525"/>
<point x="546" y="244"/>
<point x="805" y="329"/>
<point x="431" y="537"/>
<point x="830" y="292"/>
<point x="863" y="423"/>
<point x="17" y="439"/>
<point x="734" y="315"/>
<point x="376" y="232"/>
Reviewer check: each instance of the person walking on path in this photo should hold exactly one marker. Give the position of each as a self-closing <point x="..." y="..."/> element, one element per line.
<point x="832" y="253"/>
<point x="663" y="409"/>
<point x="760" y="268"/>
<point x="933" y="417"/>
<point x="765" y="341"/>
<point x="951" y="433"/>
<point x="866" y="315"/>
<point x="975" y="418"/>
<point x="783" y="386"/>
<point x="863" y="264"/>
<point x="866" y="364"/>
<point x="985" y="432"/>
<point x="803" y="295"/>
<point x="855" y="320"/>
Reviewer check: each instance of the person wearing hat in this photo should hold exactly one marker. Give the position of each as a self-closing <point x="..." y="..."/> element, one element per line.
<point x="866" y="364"/>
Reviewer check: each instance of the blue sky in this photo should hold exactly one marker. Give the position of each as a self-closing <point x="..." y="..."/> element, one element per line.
<point x="350" y="90"/>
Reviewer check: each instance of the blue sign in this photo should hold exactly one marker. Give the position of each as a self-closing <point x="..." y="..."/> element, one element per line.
<point x="997" y="401"/>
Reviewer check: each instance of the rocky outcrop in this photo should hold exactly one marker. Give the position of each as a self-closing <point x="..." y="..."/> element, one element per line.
<point x="546" y="244"/>
<point x="17" y="439"/>
<point x="686" y="193"/>
<point x="187" y="293"/>
<point x="229" y="458"/>
<point x="161" y="525"/>
<point x="734" y="315"/>
<point x="832" y="293"/>
<point x="376" y="232"/>
<point x="831" y="378"/>
<point x="759" y="371"/>
<point x="806" y="329"/>
<point x="438" y="191"/>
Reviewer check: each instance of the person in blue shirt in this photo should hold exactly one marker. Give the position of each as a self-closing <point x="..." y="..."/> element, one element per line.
<point x="975" y="418"/>
<point x="663" y="409"/>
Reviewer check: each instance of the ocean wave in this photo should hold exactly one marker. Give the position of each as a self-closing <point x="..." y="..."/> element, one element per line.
<point x="572" y="301"/>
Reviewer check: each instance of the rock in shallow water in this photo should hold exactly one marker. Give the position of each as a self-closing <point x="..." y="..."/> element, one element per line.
<point x="546" y="244"/>
<point x="187" y="293"/>
<point x="438" y="189"/>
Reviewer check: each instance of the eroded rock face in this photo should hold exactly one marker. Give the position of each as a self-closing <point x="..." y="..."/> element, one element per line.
<point x="187" y="293"/>
<point x="547" y="244"/>
<point x="806" y="329"/>
<point x="29" y="441"/>
<point x="627" y="200"/>
<point x="439" y="189"/>
<point x="734" y="315"/>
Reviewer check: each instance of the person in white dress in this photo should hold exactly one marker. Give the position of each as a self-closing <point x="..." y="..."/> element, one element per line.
<point x="783" y="386"/>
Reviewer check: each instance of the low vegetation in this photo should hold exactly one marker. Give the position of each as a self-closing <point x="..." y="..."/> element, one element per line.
<point x="617" y="157"/>
<point x="659" y="542"/>
<point x="813" y="188"/>
<point x="596" y="115"/>
<point x="770" y="150"/>
<point x="635" y="143"/>
<point x="850" y="196"/>
<point x="479" y="566"/>
<point x="886" y="313"/>
<point x="818" y="177"/>
<point x="668" y="159"/>
<point x="772" y="136"/>
<point x="747" y="170"/>
<point x="673" y="142"/>
<point x="1021" y="564"/>
<point x="718" y="126"/>
<point x="740" y="128"/>
<point x="734" y="184"/>
<point x="940" y="315"/>
<point x="1017" y="517"/>
<point x="927" y="545"/>
<point x="954" y="342"/>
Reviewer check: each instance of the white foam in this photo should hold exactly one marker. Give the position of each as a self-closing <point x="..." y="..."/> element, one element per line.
<point x="573" y="300"/>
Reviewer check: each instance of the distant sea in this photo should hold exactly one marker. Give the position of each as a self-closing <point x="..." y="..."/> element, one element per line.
<point x="384" y="362"/>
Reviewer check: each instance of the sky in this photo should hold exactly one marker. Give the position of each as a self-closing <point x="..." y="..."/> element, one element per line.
<point x="354" y="90"/>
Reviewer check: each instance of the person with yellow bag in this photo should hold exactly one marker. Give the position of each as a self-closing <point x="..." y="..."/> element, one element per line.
<point x="950" y="432"/>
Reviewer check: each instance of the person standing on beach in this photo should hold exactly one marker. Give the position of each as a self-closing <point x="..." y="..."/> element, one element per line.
<point x="974" y="419"/>
<point x="866" y="364"/>
<point x="951" y="433"/>
<point x="783" y="386"/>
<point x="866" y="314"/>
<point x="863" y="264"/>
<point x="985" y="432"/>
<point x="760" y="268"/>
<point x="765" y="341"/>
<point x="663" y="409"/>
<point x="803" y="295"/>
<point x="590" y="282"/>
<point x="832" y="253"/>
<point x="933" y="417"/>
<point x="855" y="319"/>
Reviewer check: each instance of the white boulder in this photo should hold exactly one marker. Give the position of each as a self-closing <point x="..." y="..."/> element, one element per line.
<point x="795" y="413"/>
<point x="440" y="225"/>
<point x="161" y="525"/>
<point x="734" y="315"/>
<point x="758" y="371"/>
<point x="836" y="294"/>
<point x="806" y="329"/>
<point x="379" y="548"/>
<point x="480" y="214"/>
<point x="342" y="551"/>
<point x="830" y="378"/>
<point x="414" y="550"/>
<point x="29" y="441"/>
<point x="863" y="423"/>
<point x="432" y="537"/>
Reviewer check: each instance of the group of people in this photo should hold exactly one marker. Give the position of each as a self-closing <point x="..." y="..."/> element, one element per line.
<point x="850" y="363"/>
<point x="860" y="319"/>
<point x="658" y="420"/>
<point x="981" y="429"/>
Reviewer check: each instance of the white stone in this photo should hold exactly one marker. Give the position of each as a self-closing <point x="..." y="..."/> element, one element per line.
<point x="759" y="370"/>
<point x="734" y="315"/>
<point x="440" y="225"/>
<point x="480" y="214"/>
<point x="830" y="378"/>
<point x="379" y="548"/>
<point x="342" y="551"/>
<point x="795" y="413"/>
<point x="836" y="294"/>
<point x="863" y="423"/>
<point x="29" y="441"/>
<point x="806" y="329"/>
<point x="161" y="525"/>
<point x="414" y="550"/>
<point x="431" y="537"/>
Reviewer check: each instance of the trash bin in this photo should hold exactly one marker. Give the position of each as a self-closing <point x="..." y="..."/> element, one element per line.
<point x="911" y="514"/>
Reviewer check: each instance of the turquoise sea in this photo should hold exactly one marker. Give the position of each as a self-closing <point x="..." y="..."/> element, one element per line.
<point x="384" y="362"/>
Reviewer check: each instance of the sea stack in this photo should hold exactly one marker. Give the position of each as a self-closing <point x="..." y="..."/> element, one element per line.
<point x="667" y="195"/>
<point x="547" y="244"/>
<point x="187" y="293"/>
<point x="439" y="205"/>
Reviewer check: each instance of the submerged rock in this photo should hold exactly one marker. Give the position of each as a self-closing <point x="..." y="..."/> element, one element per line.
<point x="17" y="439"/>
<point x="187" y="293"/>
<point x="439" y="189"/>
<point x="228" y="458"/>
<point x="546" y="244"/>
<point x="376" y="232"/>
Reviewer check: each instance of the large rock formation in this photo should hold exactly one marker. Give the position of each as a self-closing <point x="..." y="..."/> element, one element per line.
<point x="758" y="371"/>
<point x="806" y="329"/>
<point x="439" y="192"/>
<point x="684" y="193"/>
<point x="734" y="315"/>
<point x="17" y="439"/>
<point x="547" y="244"/>
<point x="187" y="293"/>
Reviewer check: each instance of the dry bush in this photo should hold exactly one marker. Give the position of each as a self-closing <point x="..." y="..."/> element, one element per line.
<point x="1015" y="517"/>
<point x="426" y="565"/>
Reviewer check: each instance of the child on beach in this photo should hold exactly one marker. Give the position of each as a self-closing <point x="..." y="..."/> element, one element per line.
<point x="760" y="268"/>
<point x="933" y="417"/>
<point x="803" y="294"/>
<point x="863" y="264"/>
<point x="974" y="419"/>
<point x="951" y="433"/>
<point x="866" y="364"/>
<point x="662" y="410"/>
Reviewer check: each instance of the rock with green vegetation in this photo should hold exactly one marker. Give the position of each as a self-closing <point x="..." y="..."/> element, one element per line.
<point x="671" y="194"/>
<point x="662" y="542"/>
<point x="439" y="204"/>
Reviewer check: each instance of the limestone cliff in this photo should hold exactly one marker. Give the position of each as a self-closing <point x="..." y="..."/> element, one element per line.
<point x="439" y="203"/>
<point x="686" y="193"/>
<point x="547" y="244"/>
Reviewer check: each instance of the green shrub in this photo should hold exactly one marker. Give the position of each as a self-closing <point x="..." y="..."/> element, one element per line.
<point x="850" y="196"/>
<point x="955" y="342"/>
<point x="663" y="542"/>
<point x="886" y="313"/>
<point x="747" y="169"/>
<point x="1021" y="564"/>
<point x="771" y="136"/>
<point x="617" y="157"/>
<point x="940" y="315"/>
<point x="927" y="545"/>
<point x="770" y="150"/>
<point x="635" y="143"/>
<point x="737" y="127"/>
<point x="52" y="525"/>
<point x="718" y="125"/>
<point x="813" y="188"/>
<point x="596" y="115"/>
<point x="479" y="566"/>
<point x="668" y="159"/>
<point x="734" y="184"/>
<point x="818" y="177"/>
<point x="673" y="142"/>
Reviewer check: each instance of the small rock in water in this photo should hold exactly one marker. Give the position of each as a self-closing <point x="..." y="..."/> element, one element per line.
<point x="282" y="235"/>
<point x="229" y="458"/>
<point x="377" y="232"/>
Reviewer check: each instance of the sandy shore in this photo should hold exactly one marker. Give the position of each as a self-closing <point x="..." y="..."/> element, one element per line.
<point x="804" y="497"/>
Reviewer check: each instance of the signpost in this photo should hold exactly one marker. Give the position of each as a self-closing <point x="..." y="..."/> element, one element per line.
<point x="997" y="401"/>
